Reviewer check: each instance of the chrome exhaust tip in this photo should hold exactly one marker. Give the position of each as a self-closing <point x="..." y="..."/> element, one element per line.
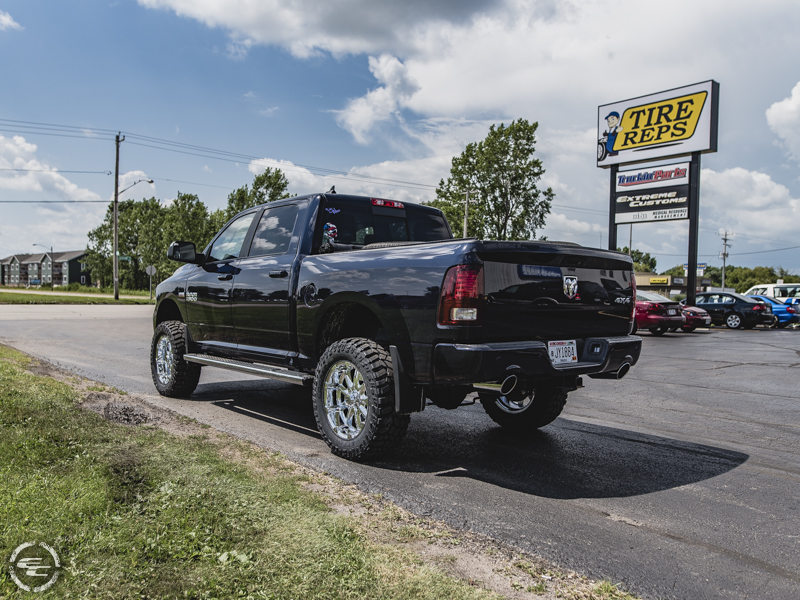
<point x="509" y="384"/>
<point x="623" y="370"/>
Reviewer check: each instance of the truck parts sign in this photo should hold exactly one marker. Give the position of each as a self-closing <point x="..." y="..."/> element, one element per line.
<point x="653" y="194"/>
<point x="671" y="123"/>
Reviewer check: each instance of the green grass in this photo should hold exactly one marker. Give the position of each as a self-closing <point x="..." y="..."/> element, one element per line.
<point x="140" y="513"/>
<point x="86" y="289"/>
<point x="19" y="298"/>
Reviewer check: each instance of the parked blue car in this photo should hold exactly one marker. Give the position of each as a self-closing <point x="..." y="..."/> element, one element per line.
<point x="786" y="313"/>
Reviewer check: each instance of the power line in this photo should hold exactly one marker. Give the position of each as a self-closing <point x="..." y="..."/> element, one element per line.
<point x="56" y="171"/>
<point x="765" y="251"/>
<point x="51" y="201"/>
<point x="33" y="127"/>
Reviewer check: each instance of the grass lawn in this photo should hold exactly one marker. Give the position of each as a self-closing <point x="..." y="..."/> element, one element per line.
<point x="16" y="298"/>
<point x="145" y="512"/>
<point x="142" y="513"/>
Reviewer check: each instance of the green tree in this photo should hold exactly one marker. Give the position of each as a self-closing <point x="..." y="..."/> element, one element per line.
<point x="740" y="278"/>
<point x="642" y="261"/>
<point x="267" y="187"/>
<point x="507" y="203"/>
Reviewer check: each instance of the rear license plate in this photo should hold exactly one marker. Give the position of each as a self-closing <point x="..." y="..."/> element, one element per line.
<point x="565" y="351"/>
<point x="708" y="320"/>
<point x="672" y="311"/>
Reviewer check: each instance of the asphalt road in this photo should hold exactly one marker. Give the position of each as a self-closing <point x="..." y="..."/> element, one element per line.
<point x="680" y="481"/>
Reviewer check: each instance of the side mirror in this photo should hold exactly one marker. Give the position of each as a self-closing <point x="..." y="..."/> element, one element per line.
<point x="184" y="252"/>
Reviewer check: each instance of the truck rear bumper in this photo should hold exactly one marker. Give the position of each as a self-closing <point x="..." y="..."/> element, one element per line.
<point x="476" y="363"/>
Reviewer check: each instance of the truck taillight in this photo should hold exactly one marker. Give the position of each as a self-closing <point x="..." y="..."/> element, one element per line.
<point x="462" y="296"/>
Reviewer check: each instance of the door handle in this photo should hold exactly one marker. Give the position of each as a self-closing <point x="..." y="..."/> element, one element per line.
<point x="225" y="276"/>
<point x="282" y="273"/>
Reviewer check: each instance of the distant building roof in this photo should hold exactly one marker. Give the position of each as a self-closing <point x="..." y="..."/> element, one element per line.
<point x="65" y="256"/>
<point x="32" y="258"/>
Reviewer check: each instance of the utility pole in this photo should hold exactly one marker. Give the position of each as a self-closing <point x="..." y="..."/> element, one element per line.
<point x="116" y="219"/>
<point x="466" y="209"/>
<point x="630" y="241"/>
<point x="724" y="255"/>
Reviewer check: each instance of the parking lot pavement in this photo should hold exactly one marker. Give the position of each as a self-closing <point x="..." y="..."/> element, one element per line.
<point x="679" y="481"/>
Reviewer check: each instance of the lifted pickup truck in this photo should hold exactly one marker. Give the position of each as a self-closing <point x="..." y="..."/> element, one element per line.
<point x="373" y="305"/>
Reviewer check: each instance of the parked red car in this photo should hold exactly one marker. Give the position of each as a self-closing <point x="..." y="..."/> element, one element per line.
<point x="695" y="317"/>
<point x="657" y="313"/>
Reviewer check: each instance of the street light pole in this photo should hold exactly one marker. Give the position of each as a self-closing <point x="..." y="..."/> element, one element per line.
<point x="466" y="209"/>
<point x="117" y="141"/>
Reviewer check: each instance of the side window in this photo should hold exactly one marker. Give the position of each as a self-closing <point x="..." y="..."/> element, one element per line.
<point x="229" y="243"/>
<point x="727" y="300"/>
<point x="274" y="231"/>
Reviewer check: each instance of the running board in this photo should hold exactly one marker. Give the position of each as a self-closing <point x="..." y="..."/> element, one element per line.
<point x="276" y="373"/>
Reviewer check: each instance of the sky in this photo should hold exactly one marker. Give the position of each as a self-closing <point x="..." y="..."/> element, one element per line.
<point x="377" y="96"/>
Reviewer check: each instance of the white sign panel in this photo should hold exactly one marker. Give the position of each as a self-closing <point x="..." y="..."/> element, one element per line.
<point x="671" y="123"/>
<point x="652" y="194"/>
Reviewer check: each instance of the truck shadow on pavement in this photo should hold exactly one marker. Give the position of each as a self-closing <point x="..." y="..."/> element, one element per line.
<point x="566" y="460"/>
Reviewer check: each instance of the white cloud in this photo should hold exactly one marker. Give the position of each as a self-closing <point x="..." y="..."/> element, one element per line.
<point x="7" y="22"/>
<point x="63" y="226"/>
<point x="748" y="202"/>
<point x="33" y="175"/>
<point x="307" y="27"/>
<point x="784" y="119"/>
<point x="268" y="112"/>
<point x="382" y="103"/>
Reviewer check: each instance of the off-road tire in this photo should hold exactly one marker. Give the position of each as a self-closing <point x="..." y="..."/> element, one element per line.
<point x="545" y="408"/>
<point x="383" y="428"/>
<point x="733" y="320"/>
<point x="183" y="376"/>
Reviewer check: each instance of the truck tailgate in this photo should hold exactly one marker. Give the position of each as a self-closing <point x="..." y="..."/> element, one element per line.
<point x="554" y="291"/>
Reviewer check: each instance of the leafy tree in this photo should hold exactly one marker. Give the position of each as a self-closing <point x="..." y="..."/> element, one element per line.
<point x="740" y="278"/>
<point x="642" y="261"/>
<point x="146" y="228"/>
<point x="267" y="187"/>
<point x="501" y="169"/>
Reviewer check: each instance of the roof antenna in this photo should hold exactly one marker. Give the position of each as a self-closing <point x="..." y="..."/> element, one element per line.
<point x="332" y="190"/>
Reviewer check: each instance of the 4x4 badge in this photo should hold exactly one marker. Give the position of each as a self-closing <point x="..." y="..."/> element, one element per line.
<point x="570" y="286"/>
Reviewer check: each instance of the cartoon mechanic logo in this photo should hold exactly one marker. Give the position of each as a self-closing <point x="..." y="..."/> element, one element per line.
<point x="34" y="567"/>
<point x="605" y="145"/>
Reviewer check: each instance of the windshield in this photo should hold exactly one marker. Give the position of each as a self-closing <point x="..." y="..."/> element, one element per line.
<point x="651" y="297"/>
<point x="361" y="223"/>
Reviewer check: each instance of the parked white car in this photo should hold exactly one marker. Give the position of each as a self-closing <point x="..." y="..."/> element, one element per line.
<point x="788" y="293"/>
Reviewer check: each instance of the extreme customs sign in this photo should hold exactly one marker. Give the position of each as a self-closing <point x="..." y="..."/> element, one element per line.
<point x="671" y="123"/>
<point x="652" y="194"/>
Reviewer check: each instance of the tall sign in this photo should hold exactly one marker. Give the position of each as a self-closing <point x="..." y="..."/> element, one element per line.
<point x="678" y="122"/>
<point x="672" y="123"/>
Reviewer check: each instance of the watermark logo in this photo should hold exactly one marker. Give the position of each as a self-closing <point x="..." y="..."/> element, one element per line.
<point x="34" y="567"/>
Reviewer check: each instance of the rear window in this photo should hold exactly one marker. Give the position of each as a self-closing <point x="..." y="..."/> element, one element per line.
<point x="651" y="297"/>
<point x="358" y="223"/>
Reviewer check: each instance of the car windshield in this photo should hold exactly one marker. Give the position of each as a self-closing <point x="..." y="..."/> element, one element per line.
<point x="642" y="296"/>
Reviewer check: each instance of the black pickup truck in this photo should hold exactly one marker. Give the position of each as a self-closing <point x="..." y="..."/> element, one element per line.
<point x="373" y="305"/>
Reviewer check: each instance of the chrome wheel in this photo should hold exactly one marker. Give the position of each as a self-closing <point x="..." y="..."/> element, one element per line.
<point x="164" y="360"/>
<point x="346" y="401"/>
<point x="733" y="321"/>
<point x="514" y="406"/>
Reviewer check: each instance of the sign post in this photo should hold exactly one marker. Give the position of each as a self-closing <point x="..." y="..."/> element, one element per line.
<point x="150" y="270"/>
<point x="672" y="123"/>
